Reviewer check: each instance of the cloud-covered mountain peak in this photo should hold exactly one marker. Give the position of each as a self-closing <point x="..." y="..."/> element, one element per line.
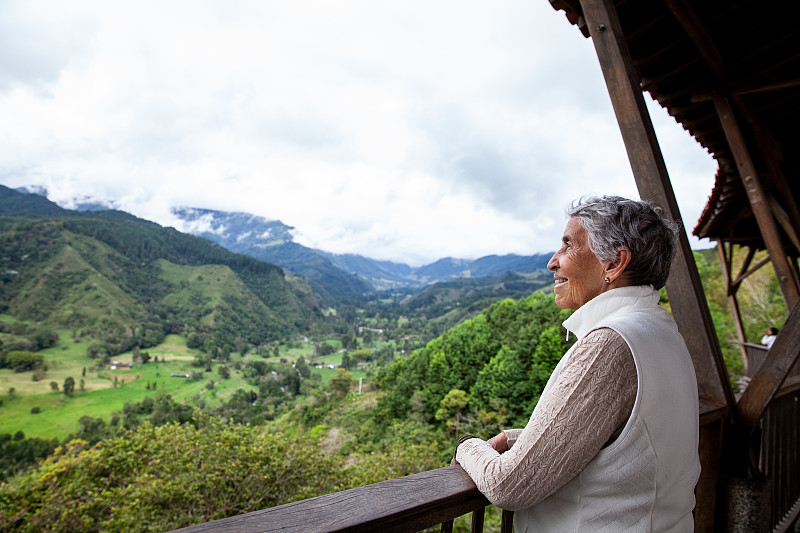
<point x="232" y="229"/>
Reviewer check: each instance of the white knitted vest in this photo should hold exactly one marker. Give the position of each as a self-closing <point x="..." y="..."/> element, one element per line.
<point x="644" y="480"/>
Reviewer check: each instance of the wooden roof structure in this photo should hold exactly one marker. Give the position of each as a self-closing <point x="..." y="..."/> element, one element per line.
<point x="729" y="72"/>
<point x="747" y="54"/>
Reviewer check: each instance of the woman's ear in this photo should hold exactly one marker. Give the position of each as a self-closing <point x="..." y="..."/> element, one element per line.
<point x="616" y="269"/>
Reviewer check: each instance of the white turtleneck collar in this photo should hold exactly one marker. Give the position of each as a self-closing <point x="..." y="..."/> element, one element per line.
<point x="583" y="320"/>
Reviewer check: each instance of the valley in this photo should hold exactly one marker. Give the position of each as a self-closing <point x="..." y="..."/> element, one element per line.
<point x="129" y="353"/>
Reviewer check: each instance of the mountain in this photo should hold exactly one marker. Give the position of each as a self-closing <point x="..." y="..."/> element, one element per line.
<point x="271" y="240"/>
<point x="381" y="274"/>
<point x="23" y="202"/>
<point x="339" y="275"/>
<point x="125" y="281"/>
<point x="345" y="278"/>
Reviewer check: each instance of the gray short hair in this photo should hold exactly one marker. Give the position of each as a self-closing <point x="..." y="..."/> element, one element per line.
<point x="614" y="222"/>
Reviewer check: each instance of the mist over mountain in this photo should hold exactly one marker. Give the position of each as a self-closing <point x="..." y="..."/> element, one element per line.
<point x="271" y="240"/>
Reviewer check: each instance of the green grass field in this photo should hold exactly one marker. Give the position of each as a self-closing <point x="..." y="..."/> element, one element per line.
<point x="59" y="413"/>
<point x="101" y="397"/>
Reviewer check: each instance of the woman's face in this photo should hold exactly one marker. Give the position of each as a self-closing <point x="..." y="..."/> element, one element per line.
<point x="577" y="272"/>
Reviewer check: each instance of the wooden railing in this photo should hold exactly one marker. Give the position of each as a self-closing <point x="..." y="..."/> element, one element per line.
<point x="779" y="446"/>
<point x="406" y="504"/>
<point x="428" y="499"/>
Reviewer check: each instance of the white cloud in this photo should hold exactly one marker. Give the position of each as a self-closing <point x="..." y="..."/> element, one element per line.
<point x="397" y="130"/>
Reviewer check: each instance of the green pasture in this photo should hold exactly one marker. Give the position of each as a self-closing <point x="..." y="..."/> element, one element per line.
<point x="106" y="391"/>
<point x="59" y="413"/>
<point x="327" y="373"/>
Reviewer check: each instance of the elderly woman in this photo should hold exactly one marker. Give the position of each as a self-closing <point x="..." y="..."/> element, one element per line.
<point x="612" y="443"/>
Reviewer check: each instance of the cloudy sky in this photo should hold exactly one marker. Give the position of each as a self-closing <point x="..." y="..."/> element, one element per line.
<point x="402" y="130"/>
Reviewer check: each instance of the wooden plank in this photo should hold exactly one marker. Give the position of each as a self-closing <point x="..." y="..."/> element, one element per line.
<point x="771" y="374"/>
<point x="706" y="490"/>
<point x="758" y="199"/>
<point x="507" y="522"/>
<point x="477" y="520"/>
<point x="406" y="504"/>
<point x="711" y="412"/>
<point x="685" y="290"/>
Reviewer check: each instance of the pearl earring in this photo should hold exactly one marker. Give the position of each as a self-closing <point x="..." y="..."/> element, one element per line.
<point x="606" y="279"/>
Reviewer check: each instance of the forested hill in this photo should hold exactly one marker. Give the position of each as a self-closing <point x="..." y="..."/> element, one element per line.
<point x="497" y="362"/>
<point x="129" y="282"/>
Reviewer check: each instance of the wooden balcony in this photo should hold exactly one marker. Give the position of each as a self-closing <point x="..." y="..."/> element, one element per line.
<point x="407" y="504"/>
<point x="411" y="503"/>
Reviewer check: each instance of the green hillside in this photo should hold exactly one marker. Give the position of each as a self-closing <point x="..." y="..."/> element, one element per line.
<point x="128" y="282"/>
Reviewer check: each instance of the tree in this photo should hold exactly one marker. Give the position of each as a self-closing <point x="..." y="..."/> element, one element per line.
<point x="302" y="367"/>
<point x="45" y="338"/>
<point x="21" y="361"/>
<point x="503" y="382"/>
<point x="324" y="348"/>
<point x="451" y="407"/>
<point x="224" y="372"/>
<point x="54" y="386"/>
<point x="550" y="349"/>
<point x="69" y="386"/>
<point x="363" y="354"/>
<point x="211" y="349"/>
<point x="341" y="382"/>
<point x="347" y="363"/>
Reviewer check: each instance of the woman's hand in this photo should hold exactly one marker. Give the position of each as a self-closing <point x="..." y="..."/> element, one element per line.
<point x="499" y="442"/>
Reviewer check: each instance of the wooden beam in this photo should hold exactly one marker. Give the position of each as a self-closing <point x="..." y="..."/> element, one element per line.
<point x="726" y="263"/>
<point x="773" y="156"/>
<point x="686" y="295"/>
<point x="697" y="33"/>
<point x="746" y="270"/>
<point x="743" y="88"/>
<point x="783" y="219"/>
<point x="772" y="373"/>
<point x="758" y="199"/>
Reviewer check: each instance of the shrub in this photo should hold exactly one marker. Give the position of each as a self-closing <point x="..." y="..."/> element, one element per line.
<point x="21" y="360"/>
<point x="162" y="478"/>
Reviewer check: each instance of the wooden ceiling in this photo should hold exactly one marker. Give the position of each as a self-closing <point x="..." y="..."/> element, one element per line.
<point x="749" y="50"/>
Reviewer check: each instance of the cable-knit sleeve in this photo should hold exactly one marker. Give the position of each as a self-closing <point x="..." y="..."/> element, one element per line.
<point x="591" y="399"/>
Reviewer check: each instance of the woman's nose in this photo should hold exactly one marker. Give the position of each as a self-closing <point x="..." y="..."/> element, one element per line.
<point x="551" y="265"/>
